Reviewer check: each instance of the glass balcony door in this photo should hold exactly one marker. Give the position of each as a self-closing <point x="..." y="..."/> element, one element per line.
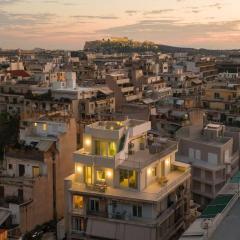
<point x="88" y="175"/>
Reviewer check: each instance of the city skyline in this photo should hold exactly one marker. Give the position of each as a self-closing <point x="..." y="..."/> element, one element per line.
<point x="68" y="24"/>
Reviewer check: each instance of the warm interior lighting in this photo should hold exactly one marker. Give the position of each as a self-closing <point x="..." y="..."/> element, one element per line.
<point x="77" y="202"/>
<point x="79" y="169"/>
<point x="88" y="142"/>
<point x="35" y="124"/>
<point x="109" y="173"/>
<point x="149" y="171"/>
<point x="167" y="162"/>
<point x="44" y="127"/>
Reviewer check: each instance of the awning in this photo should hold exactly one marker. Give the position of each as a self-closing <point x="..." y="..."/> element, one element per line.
<point x="180" y="102"/>
<point x="197" y="81"/>
<point x="148" y="100"/>
<point x="163" y="110"/>
<point x="105" y="90"/>
<point x="44" y="145"/>
<point x="178" y="114"/>
<point x="116" y="230"/>
<point x="101" y="229"/>
<point x="4" y="214"/>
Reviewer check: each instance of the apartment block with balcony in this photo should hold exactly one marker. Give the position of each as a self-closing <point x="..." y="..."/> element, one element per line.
<point x="213" y="154"/>
<point x="126" y="185"/>
<point x="124" y="90"/>
<point x="12" y="104"/>
<point x="205" y="67"/>
<point x="32" y="174"/>
<point x="221" y="103"/>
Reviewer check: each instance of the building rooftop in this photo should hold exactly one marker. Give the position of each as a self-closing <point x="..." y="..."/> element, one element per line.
<point x="216" y="206"/>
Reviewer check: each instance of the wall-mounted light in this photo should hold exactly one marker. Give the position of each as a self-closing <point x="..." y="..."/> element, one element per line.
<point x="35" y="124"/>
<point x="109" y="173"/>
<point x="79" y="169"/>
<point x="87" y="142"/>
<point x="149" y="171"/>
<point x="167" y="162"/>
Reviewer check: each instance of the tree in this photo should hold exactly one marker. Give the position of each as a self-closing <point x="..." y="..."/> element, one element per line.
<point x="9" y="127"/>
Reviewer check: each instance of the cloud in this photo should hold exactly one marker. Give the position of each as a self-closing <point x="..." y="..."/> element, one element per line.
<point x="94" y="17"/>
<point x="131" y="12"/>
<point x="172" y="31"/>
<point x="17" y="19"/>
<point x="8" y="2"/>
<point x="161" y="11"/>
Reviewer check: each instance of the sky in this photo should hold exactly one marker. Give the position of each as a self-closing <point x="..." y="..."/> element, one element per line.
<point x="67" y="24"/>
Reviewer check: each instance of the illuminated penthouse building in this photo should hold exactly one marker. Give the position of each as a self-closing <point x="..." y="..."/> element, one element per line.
<point x="126" y="185"/>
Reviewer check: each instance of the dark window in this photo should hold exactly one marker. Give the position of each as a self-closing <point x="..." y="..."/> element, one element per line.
<point x="10" y="166"/>
<point x="21" y="170"/>
<point x="94" y="205"/>
<point x="20" y="195"/>
<point x="137" y="210"/>
<point x="216" y="95"/>
<point x="1" y="192"/>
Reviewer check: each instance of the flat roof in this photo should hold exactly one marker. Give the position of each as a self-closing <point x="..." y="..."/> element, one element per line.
<point x="216" y="206"/>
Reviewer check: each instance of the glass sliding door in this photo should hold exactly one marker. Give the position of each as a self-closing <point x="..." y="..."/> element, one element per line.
<point x="88" y="175"/>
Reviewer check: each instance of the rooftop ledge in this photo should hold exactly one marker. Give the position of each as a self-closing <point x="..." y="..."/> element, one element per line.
<point x="153" y="193"/>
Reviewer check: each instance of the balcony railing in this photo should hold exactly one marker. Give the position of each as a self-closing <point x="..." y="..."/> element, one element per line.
<point x="169" y="187"/>
<point x="87" y="158"/>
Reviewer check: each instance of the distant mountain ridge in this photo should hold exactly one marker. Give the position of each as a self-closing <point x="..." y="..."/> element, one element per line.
<point x="124" y="45"/>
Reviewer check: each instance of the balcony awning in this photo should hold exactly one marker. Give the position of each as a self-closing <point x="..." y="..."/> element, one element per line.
<point x="178" y="114"/>
<point x="197" y="81"/>
<point x="4" y="214"/>
<point x="114" y="230"/>
<point x="44" y="145"/>
<point x="148" y="100"/>
<point x="101" y="229"/>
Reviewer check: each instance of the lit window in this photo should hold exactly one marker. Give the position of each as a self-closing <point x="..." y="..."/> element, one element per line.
<point x="112" y="149"/>
<point x="128" y="178"/>
<point x="35" y="171"/>
<point x="44" y="127"/>
<point x="77" y="202"/>
<point x="35" y="124"/>
<point x="101" y="176"/>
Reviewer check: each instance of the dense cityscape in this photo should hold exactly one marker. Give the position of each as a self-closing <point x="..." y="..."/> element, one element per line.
<point x="124" y="140"/>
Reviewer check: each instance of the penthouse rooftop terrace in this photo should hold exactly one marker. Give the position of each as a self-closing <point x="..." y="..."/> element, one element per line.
<point x="113" y="125"/>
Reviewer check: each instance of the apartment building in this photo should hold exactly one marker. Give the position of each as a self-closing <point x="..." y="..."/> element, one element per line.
<point x="124" y="90"/>
<point x="126" y="185"/>
<point x="219" y="220"/>
<point x="12" y="104"/>
<point x="33" y="172"/>
<point x="175" y="112"/>
<point x="221" y="103"/>
<point x="205" y="67"/>
<point x="213" y="153"/>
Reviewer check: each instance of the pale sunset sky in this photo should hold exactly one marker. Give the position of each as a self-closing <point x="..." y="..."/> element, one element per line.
<point x="67" y="24"/>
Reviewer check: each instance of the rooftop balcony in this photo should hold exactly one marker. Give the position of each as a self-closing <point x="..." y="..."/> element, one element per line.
<point x="132" y="98"/>
<point x="86" y="158"/>
<point x="122" y="81"/>
<point x="27" y="153"/>
<point x="153" y="193"/>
